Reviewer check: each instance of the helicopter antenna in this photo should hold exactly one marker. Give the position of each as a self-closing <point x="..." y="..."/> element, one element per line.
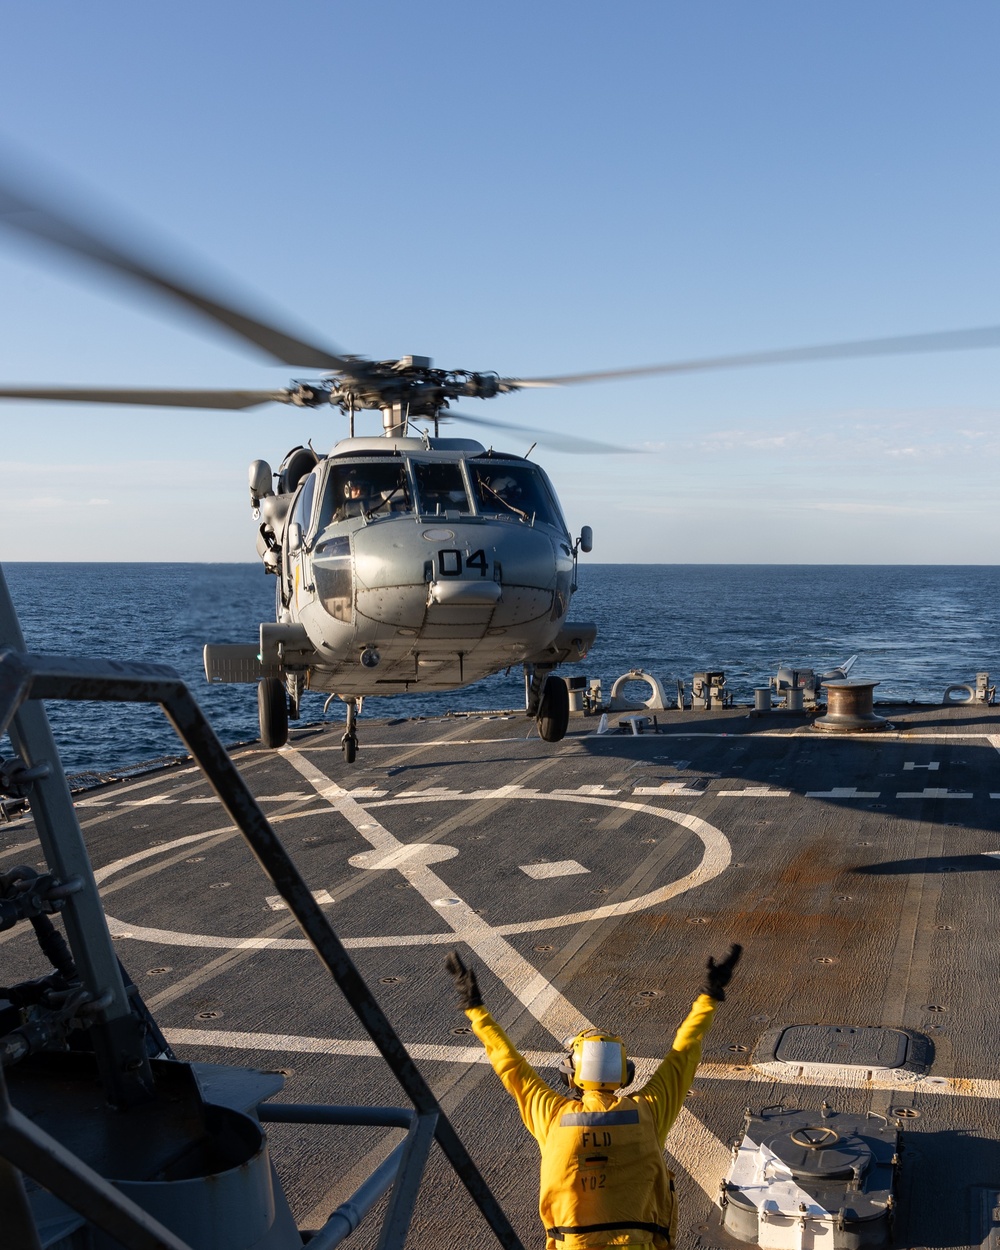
<point x="530" y="450"/>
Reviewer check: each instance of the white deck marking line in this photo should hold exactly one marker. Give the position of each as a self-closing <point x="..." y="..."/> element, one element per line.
<point x="289" y="797"/>
<point x="716" y="858"/>
<point x="368" y="792"/>
<point x="843" y="792"/>
<point x="558" y="868"/>
<point x="277" y="903"/>
<point x="585" y="790"/>
<point x="930" y="792"/>
<point x="754" y="792"/>
<point x="932" y="767"/>
<point x="428" y="791"/>
<point x="954" y="1087"/>
<point x="676" y="789"/>
<point x="418" y="746"/>
<point x="17" y="848"/>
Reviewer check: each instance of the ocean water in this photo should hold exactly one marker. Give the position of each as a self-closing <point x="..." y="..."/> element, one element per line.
<point x="916" y="629"/>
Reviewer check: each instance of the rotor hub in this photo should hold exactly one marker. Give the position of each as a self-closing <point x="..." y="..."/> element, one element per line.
<point x="410" y="386"/>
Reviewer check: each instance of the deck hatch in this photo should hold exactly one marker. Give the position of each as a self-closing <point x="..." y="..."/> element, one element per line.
<point x="842" y="1045"/>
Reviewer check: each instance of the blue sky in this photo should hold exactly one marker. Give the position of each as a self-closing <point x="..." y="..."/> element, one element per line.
<point x="530" y="188"/>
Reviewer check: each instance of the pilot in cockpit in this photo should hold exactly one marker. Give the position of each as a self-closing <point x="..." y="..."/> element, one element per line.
<point x="355" y="500"/>
<point x="505" y="491"/>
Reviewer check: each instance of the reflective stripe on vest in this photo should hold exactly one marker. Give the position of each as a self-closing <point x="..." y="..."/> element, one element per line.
<point x="559" y="1234"/>
<point x="586" y="1119"/>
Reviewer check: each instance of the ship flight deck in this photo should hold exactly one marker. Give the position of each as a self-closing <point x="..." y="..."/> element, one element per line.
<point x="588" y="881"/>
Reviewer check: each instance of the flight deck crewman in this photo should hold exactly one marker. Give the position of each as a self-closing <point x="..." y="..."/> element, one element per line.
<point x="604" y="1181"/>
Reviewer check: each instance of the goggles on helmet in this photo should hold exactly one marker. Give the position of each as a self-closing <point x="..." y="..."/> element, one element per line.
<point x="596" y="1060"/>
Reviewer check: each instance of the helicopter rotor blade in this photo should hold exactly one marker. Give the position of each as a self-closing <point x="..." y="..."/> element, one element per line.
<point x="572" y="443"/>
<point x="147" y="396"/>
<point x="29" y="217"/>
<point x="906" y="344"/>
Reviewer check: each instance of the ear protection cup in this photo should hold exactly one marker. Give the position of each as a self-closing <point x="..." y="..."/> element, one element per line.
<point x="566" y="1070"/>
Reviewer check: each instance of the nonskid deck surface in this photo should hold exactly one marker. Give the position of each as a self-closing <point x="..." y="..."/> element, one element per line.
<point x="587" y="881"/>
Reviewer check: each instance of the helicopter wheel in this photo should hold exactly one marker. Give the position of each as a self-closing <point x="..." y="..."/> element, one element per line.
<point x="349" y="745"/>
<point x="553" y="710"/>
<point x="272" y="709"/>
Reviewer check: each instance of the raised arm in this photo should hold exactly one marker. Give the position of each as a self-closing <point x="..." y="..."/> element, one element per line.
<point x="536" y="1102"/>
<point x="668" y="1086"/>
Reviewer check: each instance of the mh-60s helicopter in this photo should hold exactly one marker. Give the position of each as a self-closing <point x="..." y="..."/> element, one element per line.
<point x="410" y="561"/>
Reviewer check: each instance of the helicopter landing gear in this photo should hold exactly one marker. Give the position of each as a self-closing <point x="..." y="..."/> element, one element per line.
<point x="547" y="700"/>
<point x="349" y="742"/>
<point x="272" y="709"/>
<point x="553" y="710"/>
<point x="294" y="685"/>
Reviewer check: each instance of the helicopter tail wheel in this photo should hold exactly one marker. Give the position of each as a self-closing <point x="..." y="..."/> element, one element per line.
<point x="272" y="708"/>
<point x="553" y="710"/>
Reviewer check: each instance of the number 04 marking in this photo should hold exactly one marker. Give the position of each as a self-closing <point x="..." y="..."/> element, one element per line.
<point x="450" y="562"/>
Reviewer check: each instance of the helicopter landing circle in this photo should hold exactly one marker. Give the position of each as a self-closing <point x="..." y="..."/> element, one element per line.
<point x="715" y="859"/>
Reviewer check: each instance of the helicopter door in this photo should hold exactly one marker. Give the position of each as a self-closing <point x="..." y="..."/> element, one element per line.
<point x="296" y="538"/>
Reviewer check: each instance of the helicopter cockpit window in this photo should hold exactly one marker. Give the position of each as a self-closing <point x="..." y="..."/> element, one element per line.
<point x="440" y="487"/>
<point x="372" y="489"/>
<point x="516" y="492"/>
<point x="302" y="508"/>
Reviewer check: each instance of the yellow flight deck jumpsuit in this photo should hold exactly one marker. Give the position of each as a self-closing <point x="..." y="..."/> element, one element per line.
<point x="603" y="1180"/>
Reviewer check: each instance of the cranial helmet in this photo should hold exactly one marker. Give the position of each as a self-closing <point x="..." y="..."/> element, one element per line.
<point x="596" y="1060"/>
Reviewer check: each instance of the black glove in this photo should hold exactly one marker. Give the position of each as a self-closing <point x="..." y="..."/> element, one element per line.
<point x="465" y="982"/>
<point x="719" y="975"/>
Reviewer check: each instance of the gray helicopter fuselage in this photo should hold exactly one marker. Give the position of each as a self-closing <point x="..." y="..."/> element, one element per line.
<point x="415" y="562"/>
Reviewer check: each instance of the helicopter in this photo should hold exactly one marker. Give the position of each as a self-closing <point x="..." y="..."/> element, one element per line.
<point x="405" y="562"/>
<point x="409" y="563"/>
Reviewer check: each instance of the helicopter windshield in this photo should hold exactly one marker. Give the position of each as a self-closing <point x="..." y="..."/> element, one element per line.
<point x="370" y="488"/>
<point x="516" y="492"/>
<point x="440" y="487"/>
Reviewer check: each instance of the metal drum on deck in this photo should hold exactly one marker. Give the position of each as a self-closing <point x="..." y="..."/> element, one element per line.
<point x="849" y="708"/>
